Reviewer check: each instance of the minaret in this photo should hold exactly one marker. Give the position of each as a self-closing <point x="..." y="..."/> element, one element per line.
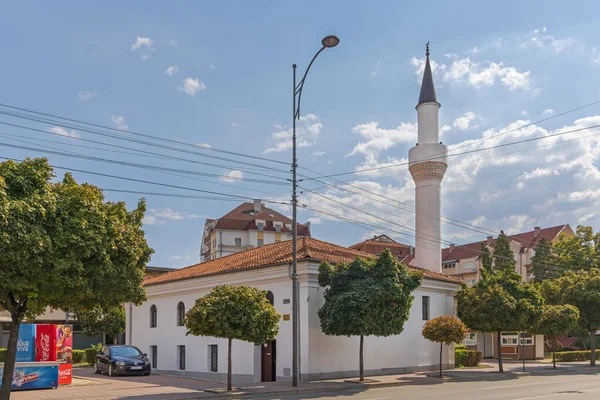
<point x="428" y="161"/>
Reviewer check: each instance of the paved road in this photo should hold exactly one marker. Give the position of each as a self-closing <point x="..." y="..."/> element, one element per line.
<point x="576" y="386"/>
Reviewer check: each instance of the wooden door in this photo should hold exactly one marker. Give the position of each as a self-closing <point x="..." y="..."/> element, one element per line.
<point x="268" y="361"/>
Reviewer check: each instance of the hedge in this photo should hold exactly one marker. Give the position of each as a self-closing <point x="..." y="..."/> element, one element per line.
<point x="467" y="358"/>
<point x="78" y="356"/>
<point x="582" y="355"/>
<point x="460" y="347"/>
<point x="90" y="355"/>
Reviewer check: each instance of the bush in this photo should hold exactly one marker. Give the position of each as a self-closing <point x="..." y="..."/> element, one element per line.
<point x="90" y="355"/>
<point x="582" y="355"/>
<point x="2" y="355"/>
<point x="467" y="358"/>
<point x="460" y="347"/>
<point x="78" y="356"/>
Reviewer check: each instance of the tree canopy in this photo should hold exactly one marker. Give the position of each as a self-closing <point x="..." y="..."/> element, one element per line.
<point x="234" y="312"/>
<point x="62" y="245"/>
<point x="444" y="330"/>
<point x="579" y="252"/>
<point x="557" y="320"/>
<point x="366" y="297"/>
<point x="582" y="290"/>
<point x="500" y="302"/>
<point x="504" y="258"/>
<point x="101" y="320"/>
<point x="544" y="261"/>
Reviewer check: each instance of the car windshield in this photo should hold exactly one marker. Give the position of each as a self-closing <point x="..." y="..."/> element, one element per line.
<point x="125" y="351"/>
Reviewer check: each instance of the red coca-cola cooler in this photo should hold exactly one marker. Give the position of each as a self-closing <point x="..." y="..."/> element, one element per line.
<point x="45" y="342"/>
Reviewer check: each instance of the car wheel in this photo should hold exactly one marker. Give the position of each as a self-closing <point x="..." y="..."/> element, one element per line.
<point x="110" y="370"/>
<point x="146" y="373"/>
<point x="96" y="368"/>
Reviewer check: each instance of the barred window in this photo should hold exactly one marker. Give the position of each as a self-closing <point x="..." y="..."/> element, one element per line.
<point x="154" y="356"/>
<point x="270" y="297"/>
<point x="180" y="314"/>
<point x="426" y="306"/>
<point x="181" y="357"/>
<point x="153" y="316"/>
<point x="214" y="357"/>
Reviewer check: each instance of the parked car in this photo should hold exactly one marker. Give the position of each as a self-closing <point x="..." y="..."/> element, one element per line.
<point x="121" y="360"/>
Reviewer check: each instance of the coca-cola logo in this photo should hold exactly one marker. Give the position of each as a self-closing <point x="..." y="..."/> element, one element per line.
<point x="64" y="373"/>
<point x="45" y="345"/>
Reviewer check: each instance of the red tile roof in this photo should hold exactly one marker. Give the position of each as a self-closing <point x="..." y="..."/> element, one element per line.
<point x="274" y="254"/>
<point x="243" y="217"/>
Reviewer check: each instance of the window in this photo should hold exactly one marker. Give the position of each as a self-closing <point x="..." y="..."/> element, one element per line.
<point x="260" y="226"/>
<point x="154" y="356"/>
<point x="260" y="242"/>
<point x="510" y="339"/>
<point x="238" y="242"/>
<point x="213" y="359"/>
<point x="180" y="313"/>
<point x="277" y="228"/>
<point x="425" y="302"/>
<point x="470" y="339"/>
<point x="270" y="297"/>
<point x="181" y="357"/>
<point x="526" y="339"/>
<point x="153" y="316"/>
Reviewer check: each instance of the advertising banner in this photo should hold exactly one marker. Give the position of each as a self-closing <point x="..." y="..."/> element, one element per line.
<point x="64" y="344"/>
<point x="26" y="343"/>
<point x="45" y="349"/>
<point x="65" y="374"/>
<point x="34" y="377"/>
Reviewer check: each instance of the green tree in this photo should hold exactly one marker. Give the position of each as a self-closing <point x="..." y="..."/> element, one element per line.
<point x="582" y="290"/>
<point x="444" y="330"/>
<point x="366" y="297"/>
<point x="62" y="245"/>
<point x="500" y="302"/>
<point x="555" y="321"/>
<point x="101" y="320"/>
<point x="504" y="258"/>
<point x="234" y="312"/>
<point x="544" y="261"/>
<point x="487" y="260"/>
<point x="579" y="252"/>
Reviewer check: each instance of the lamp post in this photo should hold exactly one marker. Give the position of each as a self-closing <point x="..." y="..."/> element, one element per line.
<point x="327" y="42"/>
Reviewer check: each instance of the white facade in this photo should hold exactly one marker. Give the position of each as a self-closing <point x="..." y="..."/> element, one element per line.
<point x="321" y="356"/>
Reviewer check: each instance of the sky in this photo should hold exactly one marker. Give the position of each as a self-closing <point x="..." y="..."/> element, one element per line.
<point x="218" y="76"/>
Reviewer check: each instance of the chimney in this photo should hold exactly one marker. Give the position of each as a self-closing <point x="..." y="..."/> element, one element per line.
<point x="411" y="250"/>
<point x="307" y="225"/>
<point x="451" y="247"/>
<point x="536" y="231"/>
<point x="489" y="240"/>
<point x="257" y="205"/>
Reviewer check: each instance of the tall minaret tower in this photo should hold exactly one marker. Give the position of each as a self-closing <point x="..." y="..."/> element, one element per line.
<point x="428" y="161"/>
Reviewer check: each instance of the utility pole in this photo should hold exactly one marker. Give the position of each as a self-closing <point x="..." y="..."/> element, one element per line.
<point x="327" y="42"/>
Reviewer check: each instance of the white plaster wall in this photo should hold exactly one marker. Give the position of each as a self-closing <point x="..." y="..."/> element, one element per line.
<point x="230" y="236"/>
<point x="427" y="116"/>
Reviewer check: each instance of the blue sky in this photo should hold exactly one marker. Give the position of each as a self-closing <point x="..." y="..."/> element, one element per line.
<point x="220" y="74"/>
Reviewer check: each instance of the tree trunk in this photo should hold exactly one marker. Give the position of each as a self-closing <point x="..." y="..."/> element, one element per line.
<point x="554" y="353"/>
<point x="499" y="346"/>
<point x="441" y="351"/>
<point x="11" y="357"/>
<point x="593" y="348"/>
<point x="229" y="367"/>
<point x="361" y="366"/>
<point x="522" y="343"/>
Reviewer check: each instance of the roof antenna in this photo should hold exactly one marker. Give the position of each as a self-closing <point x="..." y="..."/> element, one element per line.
<point x="427" y="49"/>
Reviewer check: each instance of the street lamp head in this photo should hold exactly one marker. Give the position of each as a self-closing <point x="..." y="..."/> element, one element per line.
<point x="330" y="41"/>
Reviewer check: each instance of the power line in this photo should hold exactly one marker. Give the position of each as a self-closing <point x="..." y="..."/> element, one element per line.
<point x="175" y="195"/>
<point x="141" y="134"/>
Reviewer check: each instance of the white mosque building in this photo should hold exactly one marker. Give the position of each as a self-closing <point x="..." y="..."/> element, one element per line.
<point x="157" y="328"/>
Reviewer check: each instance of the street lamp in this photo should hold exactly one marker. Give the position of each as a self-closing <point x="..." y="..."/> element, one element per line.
<point x="327" y="42"/>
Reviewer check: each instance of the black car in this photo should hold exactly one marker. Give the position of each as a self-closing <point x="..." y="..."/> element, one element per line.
<point x="121" y="360"/>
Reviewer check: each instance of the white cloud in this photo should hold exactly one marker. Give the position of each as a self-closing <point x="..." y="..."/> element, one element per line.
<point x="191" y="86"/>
<point x="463" y="123"/>
<point x="172" y="70"/>
<point x="64" y="132"/>
<point x="160" y="216"/>
<point x="232" y="176"/>
<point x="444" y="129"/>
<point x="119" y="122"/>
<point x="539" y="39"/>
<point x="524" y="113"/>
<point x="173" y="42"/>
<point x="205" y="145"/>
<point x="318" y="153"/>
<point x="234" y="124"/>
<point x="379" y="139"/>
<point x="315" y="220"/>
<point x="177" y="257"/>
<point x="548" y="111"/>
<point x="143" y="45"/>
<point x="151" y="220"/>
<point x="212" y="66"/>
<point x="84" y="95"/>
<point x="308" y="130"/>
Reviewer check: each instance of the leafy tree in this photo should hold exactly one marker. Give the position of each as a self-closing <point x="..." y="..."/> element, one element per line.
<point x="102" y="320"/>
<point x="543" y="261"/>
<point x="234" y="312"/>
<point x="579" y="252"/>
<point x="62" y="245"/>
<point x="444" y="330"/>
<point x="556" y="321"/>
<point x="500" y="302"/>
<point x="366" y="297"/>
<point x="582" y="290"/>
<point x="487" y="260"/>
<point x="504" y="258"/>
